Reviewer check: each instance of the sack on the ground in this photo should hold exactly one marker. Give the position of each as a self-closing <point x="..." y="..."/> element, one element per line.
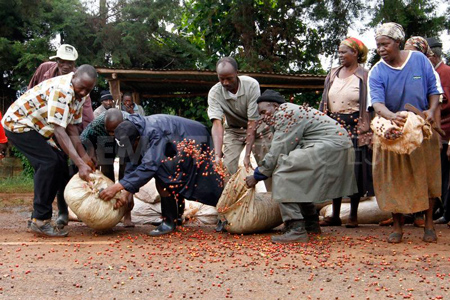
<point x="148" y="193"/>
<point x="146" y="213"/>
<point x="245" y="211"/>
<point x="72" y="216"/>
<point x="194" y="213"/>
<point x="368" y="212"/>
<point x="401" y="140"/>
<point x="82" y="198"/>
<point x="199" y="213"/>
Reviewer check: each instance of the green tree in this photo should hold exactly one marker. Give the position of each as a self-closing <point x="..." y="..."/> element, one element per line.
<point x="418" y="17"/>
<point x="269" y="35"/>
<point x="136" y="35"/>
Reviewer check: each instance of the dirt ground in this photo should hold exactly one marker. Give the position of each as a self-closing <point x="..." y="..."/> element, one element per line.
<point x="198" y="263"/>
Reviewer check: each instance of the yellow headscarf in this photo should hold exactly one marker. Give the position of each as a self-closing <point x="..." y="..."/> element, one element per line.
<point x="358" y="46"/>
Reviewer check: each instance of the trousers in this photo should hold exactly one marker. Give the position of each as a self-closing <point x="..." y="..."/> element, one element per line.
<point x="295" y="211"/>
<point x="49" y="164"/>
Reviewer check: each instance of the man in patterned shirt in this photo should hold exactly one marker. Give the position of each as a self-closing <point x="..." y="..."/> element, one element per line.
<point x="53" y="108"/>
<point x="64" y="63"/>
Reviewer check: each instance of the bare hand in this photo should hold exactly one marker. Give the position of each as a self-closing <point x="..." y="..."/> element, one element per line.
<point x="89" y="162"/>
<point x="218" y="161"/>
<point x="126" y="199"/>
<point x="111" y="191"/>
<point x="250" y="181"/>
<point x="399" y="119"/>
<point x="429" y="114"/>
<point x="129" y="109"/>
<point x="84" y="171"/>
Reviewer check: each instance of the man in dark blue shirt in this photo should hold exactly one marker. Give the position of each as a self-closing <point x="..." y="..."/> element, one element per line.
<point x="177" y="152"/>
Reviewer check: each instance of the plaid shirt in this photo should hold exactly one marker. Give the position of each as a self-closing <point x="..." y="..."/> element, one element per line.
<point x="96" y="131"/>
<point x="52" y="102"/>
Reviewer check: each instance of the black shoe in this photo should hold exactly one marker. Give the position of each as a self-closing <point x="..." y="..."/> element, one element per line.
<point x="162" y="229"/>
<point x="47" y="229"/>
<point x="62" y="220"/>
<point x="295" y="232"/>
<point x="312" y="224"/>
<point x="220" y="227"/>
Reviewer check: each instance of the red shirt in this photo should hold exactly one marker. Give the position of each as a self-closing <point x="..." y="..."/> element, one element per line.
<point x="3" y="138"/>
<point x="49" y="70"/>
<point x="444" y="73"/>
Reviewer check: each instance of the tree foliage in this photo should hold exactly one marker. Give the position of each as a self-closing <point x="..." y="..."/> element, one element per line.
<point x="264" y="35"/>
<point x="269" y="35"/>
<point x="418" y="17"/>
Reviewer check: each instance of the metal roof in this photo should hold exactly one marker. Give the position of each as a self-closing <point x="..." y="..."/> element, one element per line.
<point x="157" y="83"/>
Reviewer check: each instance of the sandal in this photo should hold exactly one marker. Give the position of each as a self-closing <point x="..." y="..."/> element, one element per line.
<point x="387" y="222"/>
<point x="429" y="236"/>
<point x="395" y="238"/>
<point x="351" y="223"/>
<point x="329" y="221"/>
<point x="419" y="222"/>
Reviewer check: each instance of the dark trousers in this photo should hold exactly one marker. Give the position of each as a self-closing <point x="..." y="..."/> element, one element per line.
<point x="66" y="175"/>
<point x="49" y="166"/>
<point x="172" y="208"/>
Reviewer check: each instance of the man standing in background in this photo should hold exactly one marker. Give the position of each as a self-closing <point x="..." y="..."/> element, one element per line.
<point x="129" y="106"/>
<point x="444" y="73"/>
<point x="64" y="64"/>
<point x="233" y="98"/>
<point x="106" y="100"/>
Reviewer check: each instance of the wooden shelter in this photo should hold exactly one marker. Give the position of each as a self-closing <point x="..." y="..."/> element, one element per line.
<point x="154" y="83"/>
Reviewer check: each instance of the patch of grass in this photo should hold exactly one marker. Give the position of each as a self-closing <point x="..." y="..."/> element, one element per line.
<point x="17" y="184"/>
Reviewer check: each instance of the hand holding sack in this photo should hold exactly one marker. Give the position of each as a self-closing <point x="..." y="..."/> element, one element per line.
<point x="82" y="198"/>
<point x="245" y="211"/>
<point x="401" y="140"/>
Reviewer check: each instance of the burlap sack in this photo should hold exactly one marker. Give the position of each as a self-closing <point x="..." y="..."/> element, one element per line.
<point x="199" y="213"/>
<point x="82" y="198"/>
<point x="413" y="132"/>
<point x="194" y="213"/>
<point x="148" y="193"/>
<point x="245" y="211"/>
<point x="146" y="213"/>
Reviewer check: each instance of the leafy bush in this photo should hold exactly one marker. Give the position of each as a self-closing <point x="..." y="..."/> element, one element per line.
<point x="28" y="170"/>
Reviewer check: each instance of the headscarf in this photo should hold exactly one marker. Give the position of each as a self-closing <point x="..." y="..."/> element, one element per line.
<point x="271" y="96"/>
<point x="393" y="30"/>
<point x="358" y="46"/>
<point x="420" y="44"/>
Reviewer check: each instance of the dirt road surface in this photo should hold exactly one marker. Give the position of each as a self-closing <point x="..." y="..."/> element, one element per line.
<point x="198" y="263"/>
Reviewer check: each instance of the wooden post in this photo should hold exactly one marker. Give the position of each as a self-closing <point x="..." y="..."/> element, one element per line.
<point x="136" y="98"/>
<point x="114" y="87"/>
